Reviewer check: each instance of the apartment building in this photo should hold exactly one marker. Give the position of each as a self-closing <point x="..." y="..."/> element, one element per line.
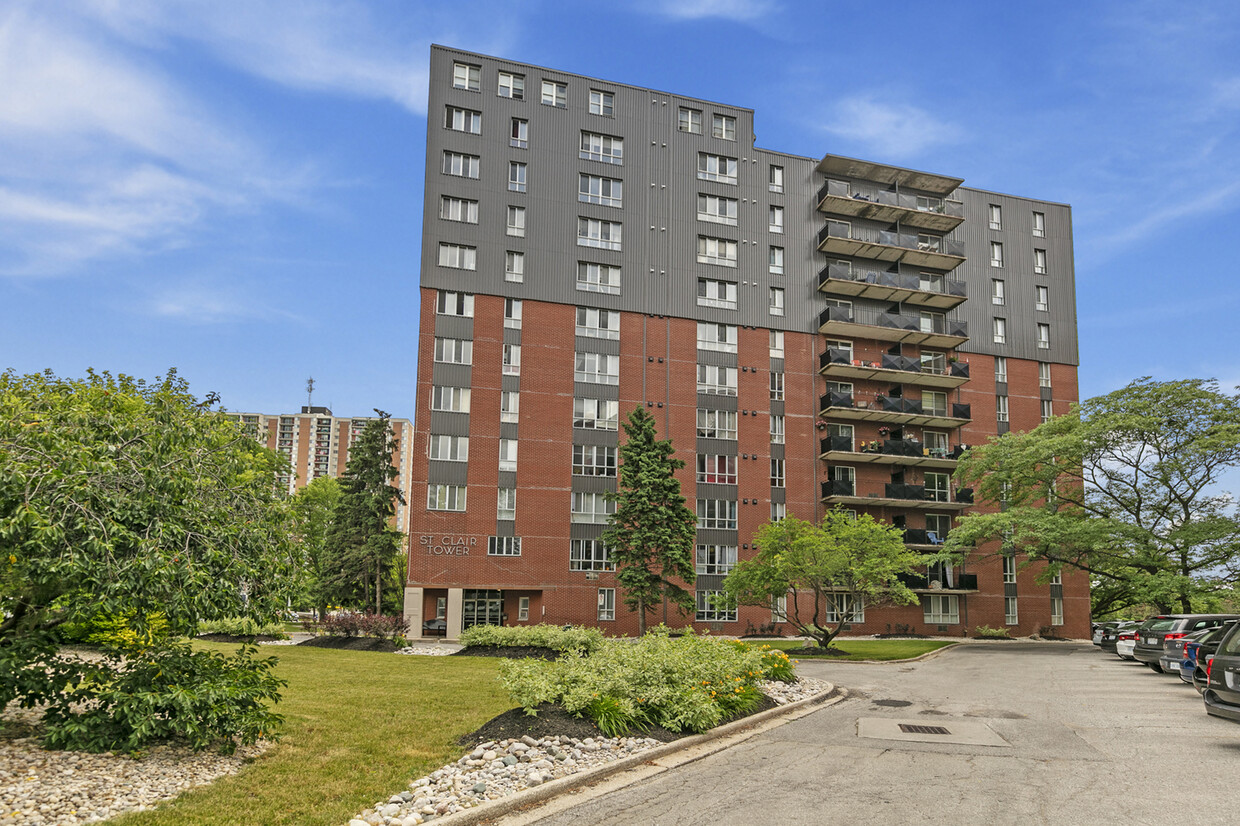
<point x="811" y="332"/>
<point x="316" y="444"/>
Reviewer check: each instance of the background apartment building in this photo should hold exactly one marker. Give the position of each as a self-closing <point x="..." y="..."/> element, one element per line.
<point x="316" y="444"/>
<point x="810" y="332"/>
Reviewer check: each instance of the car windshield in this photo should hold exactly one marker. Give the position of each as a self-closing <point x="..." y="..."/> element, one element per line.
<point x="1231" y="643"/>
<point x="1159" y="624"/>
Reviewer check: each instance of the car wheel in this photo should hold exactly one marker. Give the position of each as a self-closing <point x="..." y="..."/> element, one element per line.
<point x="1156" y="667"/>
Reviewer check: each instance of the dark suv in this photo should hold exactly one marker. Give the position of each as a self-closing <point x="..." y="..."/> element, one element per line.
<point x="1222" y="694"/>
<point x="1156" y="630"/>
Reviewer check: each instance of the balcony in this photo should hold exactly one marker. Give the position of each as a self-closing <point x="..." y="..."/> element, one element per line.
<point x="944" y="582"/>
<point x="839" y="364"/>
<point x="841" y="167"/>
<point x="922" y="539"/>
<point x="843" y="406"/>
<point x="926" y="329"/>
<point x="897" y="496"/>
<point x="902" y="452"/>
<point x="913" y="248"/>
<point x="874" y="204"/>
<point x="923" y="290"/>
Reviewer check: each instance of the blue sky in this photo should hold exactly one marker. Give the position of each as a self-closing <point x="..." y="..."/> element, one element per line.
<point x="234" y="189"/>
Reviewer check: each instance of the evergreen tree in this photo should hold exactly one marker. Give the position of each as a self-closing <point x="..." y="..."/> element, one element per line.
<point x="651" y="535"/>
<point x="361" y="544"/>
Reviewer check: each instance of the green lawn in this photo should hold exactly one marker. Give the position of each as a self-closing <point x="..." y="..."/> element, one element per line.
<point x="867" y="649"/>
<point x="358" y="727"/>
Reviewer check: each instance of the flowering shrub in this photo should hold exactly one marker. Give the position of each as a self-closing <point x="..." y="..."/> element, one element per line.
<point x="688" y="683"/>
<point x="555" y="637"/>
<point x="352" y="624"/>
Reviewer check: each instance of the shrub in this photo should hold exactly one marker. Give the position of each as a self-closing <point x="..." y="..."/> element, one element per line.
<point x="116" y="631"/>
<point x="557" y="638"/>
<point x="985" y="632"/>
<point x="353" y="624"/>
<point x="384" y="626"/>
<point x="241" y="627"/>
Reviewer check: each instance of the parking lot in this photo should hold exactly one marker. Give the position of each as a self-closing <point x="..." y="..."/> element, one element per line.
<point x="1035" y="733"/>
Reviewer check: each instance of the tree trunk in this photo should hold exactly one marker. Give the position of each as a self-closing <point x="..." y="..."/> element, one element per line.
<point x="378" y="591"/>
<point x="641" y="616"/>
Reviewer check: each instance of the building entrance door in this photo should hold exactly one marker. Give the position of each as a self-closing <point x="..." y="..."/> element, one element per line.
<point x="482" y="607"/>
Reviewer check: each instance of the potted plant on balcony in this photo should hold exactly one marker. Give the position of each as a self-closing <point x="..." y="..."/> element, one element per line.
<point x="884" y="431"/>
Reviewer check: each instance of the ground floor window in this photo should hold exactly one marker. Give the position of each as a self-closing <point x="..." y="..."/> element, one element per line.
<point x="606" y="604"/>
<point x="842" y="608"/>
<point x="942" y="609"/>
<point x="482" y="607"/>
<point x="709" y="611"/>
<point x="523" y="609"/>
<point x="1009" y="610"/>
<point x="1056" y="610"/>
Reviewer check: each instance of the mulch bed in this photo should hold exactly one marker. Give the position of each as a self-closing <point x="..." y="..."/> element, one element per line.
<point x="901" y="636"/>
<point x="352" y="643"/>
<point x="234" y="638"/>
<point x="511" y="652"/>
<point x="816" y="652"/>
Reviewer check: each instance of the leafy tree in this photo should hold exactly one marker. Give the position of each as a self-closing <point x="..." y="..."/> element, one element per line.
<point x="1125" y="488"/>
<point x="361" y="546"/>
<point x="314" y="509"/>
<point x="651" y="535"/>
<point x="830" y="569"/>
<point x="137" y="503"/>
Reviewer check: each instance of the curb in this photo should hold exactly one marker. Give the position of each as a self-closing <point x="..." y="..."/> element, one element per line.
<point x="928" y="655"/>
<point x="686" y="750"/>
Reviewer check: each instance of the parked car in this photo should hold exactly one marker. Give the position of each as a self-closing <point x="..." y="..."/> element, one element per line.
<point x="1126" y="641"/>
<point x="1109" y="635"/>
<point x="1099" y="629"/>
<point x="1173" y="650"/>
<point x="1157" y="630"/>
<point x="1222" y="694"/>
<point x="1199" y="653"/>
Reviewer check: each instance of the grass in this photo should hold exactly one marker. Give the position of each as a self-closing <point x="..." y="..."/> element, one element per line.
<point x="868" y="649"/>
<point x="358" y="727"/>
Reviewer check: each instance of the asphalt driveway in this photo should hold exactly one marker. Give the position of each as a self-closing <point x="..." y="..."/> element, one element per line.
<point x="1007" y="732"/>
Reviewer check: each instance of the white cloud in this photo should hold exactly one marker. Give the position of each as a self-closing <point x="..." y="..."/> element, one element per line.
<point x="212" y="301"/>
<point x="738" y="10"/>
<point x="888" y="130"/>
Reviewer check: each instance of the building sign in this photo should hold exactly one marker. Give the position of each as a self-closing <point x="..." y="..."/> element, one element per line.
<point x="448" y="545"/>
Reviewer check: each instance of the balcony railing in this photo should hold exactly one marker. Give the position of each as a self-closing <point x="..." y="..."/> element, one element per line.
<point x="921" y="242"/>
<point x="904" y="364"/>
<point x="917" y="203"/>
<point x="952" y="582"/>
<point x="895" y="280"/>
<point x="891" y="451"/>
<point x="839" y="487"/>
<point x="930" y="324"/>
<point x="918" y="536"/>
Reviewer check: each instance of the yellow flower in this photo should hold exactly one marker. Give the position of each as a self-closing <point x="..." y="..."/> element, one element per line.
<point x="12" y="559"/>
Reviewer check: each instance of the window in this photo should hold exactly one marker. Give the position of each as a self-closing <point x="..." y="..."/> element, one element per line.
<point x="463" y="166"/>
<point x="934" y="403"/>
<point x="719" y="337"/>
<point x="717" y="513"/>
<point x="445" y="497"/>
<point x="715" y="469"/>
<point x="509" y="406"/>
<point x="606" y="604"/>
<point x="715" y="559"/>
<point x="689" y="120"/>
<point x="1001" y="408"/>
<point x="596" y="414"/>
<point x="933" y="363"/>
<point x="996" y="291"/>
<point x="555" y="94"/>
<point x="843" y="480"/>
<point x="716" y="168"/>
<point x="450" y="399"/>
<point x="938" y="524"/>
<point x="458" y="209"/>
<point x="516" y="176"/>
<point x="936" y="443"/>
<point x="519" y="137"/>
<point x="594" y="460"/>
<point x="602" y="148"/>
<point x="723" y="126"/>
<point x="777" y="430"/>
<point x="716" y="424"/>
<point x="593" y="189"/>
<point x="463" y="120"/>
<point x="996" y="254"/>
<point x="775" y="179"/>
<point x="1039" y="262"/>
<point x="453" y="303"/>
<point x="441" y="607"/>
<point x="942" y="609"/>
<point x="1000" y="330"/>
<point x="1009" y="569"/>
<point x="465" y="76"/>
<point x="514" y="266"/>
<point x="845" y="346"/>
<point x="593" y="323"/>
<point x="1039" y="225"/>
<point x="1010" y="616"/>
<point x="1044" y="374"/>
<point x="598" y="278"/>
<point x="996" y="217"/>
<point x="458" y="256"/>
<point x="1047" y="410"/>
<point x="592" y="508"/>
<point x="717" y="209"/>
<point x="589" y="555"/>
<point x="777" y="473"/>
<point x="929" y="242"/>
<point x="777" y="387"/>
<point x="719" y="251"/>
<point x="1056" y="610"/>
<point x="776" y="304"/>
<point x="1041" y="298"/>
<point x="775" y="219"/>
<point x="712" y="608"/>
<point x="516" y="221"/>
<point x="523" y="603"/>
<point x="779" y="510"/>
<point x="448" y="448"/>
<point x="936" y="486"/>
<point x="505" y="507"/>
<point x="602" y="103"/>
<point x="596" y="368"/>
<point x="511" y="86"/>
<point x="714" y="380"/>
<point x="1044" y="336"/>
<point x="1001" y="368"/>
<point x="842" y="608"/>
<point x="508" y="454"/>
<point x="512" y="359"/>
<point x="776" y="344"/>
<point x="775" y="261"/>
<point x="512" y="313"/>
<point x="604" y="235"/>
<point x="454" y="351"/>
<point x="713" y="293"/>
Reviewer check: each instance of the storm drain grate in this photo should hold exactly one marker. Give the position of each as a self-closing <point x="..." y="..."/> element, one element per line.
<point x="909" y="728"/>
